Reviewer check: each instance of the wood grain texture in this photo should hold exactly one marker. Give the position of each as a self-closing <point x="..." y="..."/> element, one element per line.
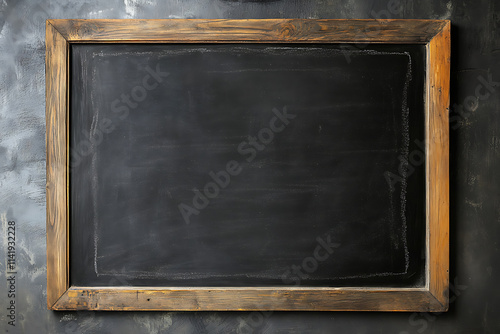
<point x="247" y="299"/>
<point x="438" y="100"/>
<point x="434" y="33"/>
<point x="56" y="104"/>
<point x="271" y="31"/>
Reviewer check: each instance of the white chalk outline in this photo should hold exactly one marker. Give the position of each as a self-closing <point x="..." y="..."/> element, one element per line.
<point x="405" y="149"/>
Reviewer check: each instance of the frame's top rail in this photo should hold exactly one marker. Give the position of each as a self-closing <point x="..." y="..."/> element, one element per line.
<point x="262" y="31"/>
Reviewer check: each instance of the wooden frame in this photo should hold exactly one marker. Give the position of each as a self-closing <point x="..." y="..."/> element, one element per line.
<point x="435" y="34"/>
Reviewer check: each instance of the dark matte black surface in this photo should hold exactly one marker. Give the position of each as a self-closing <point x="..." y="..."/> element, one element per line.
<point x="322" y="176"/>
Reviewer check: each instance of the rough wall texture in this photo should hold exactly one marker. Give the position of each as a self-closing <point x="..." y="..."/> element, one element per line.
<point x="475" y="161"/>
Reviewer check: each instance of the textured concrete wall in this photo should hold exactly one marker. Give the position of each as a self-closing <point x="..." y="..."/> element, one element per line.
<point x="475" y="162"/>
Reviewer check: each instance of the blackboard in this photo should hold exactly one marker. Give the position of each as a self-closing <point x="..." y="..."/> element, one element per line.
<point x="248" y="165"/>
<point x="297" y="151"/>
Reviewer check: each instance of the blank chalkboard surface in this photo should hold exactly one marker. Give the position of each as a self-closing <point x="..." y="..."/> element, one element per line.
<point x="247" y="165"/>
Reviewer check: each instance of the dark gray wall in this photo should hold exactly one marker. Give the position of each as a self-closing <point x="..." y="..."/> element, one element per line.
<point x="475" y="162"/>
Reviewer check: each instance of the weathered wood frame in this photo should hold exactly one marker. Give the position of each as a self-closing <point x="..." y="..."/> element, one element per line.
<point x="435" y="34"/>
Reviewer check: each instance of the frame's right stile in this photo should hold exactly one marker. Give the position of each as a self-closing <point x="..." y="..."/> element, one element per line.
<point x="437" y="170"/>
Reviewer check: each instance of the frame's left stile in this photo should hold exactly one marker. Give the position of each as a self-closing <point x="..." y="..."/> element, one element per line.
<point x="56" y="80"/>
